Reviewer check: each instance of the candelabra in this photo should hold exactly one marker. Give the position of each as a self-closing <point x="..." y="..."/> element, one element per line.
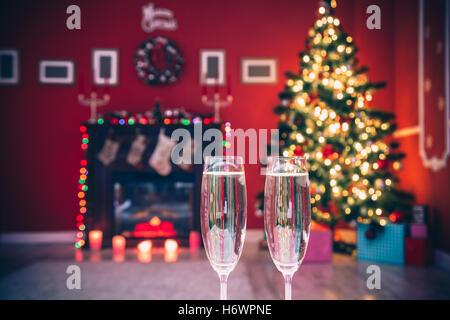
<point x="217" y="103"/>
<point x="93" y="102"/>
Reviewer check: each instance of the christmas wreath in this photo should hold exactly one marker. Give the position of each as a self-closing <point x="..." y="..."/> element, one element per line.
<point x="158" y="61"/>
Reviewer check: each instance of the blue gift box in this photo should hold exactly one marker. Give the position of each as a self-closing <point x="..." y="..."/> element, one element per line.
<point x="387" y="247"/>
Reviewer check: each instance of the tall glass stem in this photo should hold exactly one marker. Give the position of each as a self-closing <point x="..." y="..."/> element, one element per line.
<point x="287" y="286"/>
<point x="223" y="286"/>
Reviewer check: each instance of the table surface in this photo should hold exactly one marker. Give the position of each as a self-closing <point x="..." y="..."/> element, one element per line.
<point x="38" y="272"/>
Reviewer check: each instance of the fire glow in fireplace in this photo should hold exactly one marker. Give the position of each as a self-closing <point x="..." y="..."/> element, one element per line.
<point x="153" y="209"/>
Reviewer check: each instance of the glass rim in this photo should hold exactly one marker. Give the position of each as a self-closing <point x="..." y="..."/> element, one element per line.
<point x="291" y="157"/>
<point x="223" y="164"/>
<point x="240" y="158"/>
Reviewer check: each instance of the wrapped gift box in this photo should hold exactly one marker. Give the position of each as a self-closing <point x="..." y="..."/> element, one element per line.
<point x="387" y="247"/>
<point x="417" y="251"/>
<point x="320" y="245"/>
<point x="418" y="230"/>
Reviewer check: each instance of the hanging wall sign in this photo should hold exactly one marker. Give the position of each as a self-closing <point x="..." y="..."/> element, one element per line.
<point x="434" y="83"/>
<point x="158" y="61"/>
<point x="157" y="19"/>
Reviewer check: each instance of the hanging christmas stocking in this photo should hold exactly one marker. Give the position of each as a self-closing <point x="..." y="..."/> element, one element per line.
<point x="109" y="151"/>
<point x="187" y="155"/>
<point x="137" y="150"/>
<point x="160" y="159"/>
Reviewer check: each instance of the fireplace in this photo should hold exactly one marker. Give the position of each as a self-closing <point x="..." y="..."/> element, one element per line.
<point x="136" y="201"/>
<point x="153" y="207"/>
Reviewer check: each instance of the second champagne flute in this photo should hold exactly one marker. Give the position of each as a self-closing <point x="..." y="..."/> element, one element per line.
<point x="287" y="214"/>
<point x="223" y="214"/>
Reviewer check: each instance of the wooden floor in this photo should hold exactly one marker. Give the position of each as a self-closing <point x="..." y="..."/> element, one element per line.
<point x="344" y="278"/>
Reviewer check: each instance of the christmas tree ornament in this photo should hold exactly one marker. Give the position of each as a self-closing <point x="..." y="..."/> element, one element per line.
<point x="160" y="159"/>
<point x="396" y="217"/>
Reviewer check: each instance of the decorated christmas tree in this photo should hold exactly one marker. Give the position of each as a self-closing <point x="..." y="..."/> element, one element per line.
<point x="326" y="116"/>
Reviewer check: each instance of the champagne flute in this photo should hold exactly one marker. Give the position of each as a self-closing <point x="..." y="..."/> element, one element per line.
<point x="287" y="214"/>
<point x="223" y="214"/>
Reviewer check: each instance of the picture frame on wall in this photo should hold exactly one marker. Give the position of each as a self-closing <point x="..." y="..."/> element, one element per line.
<point x="259" y="70"/>
<point x="9" y="66"/>
<point x="212" y="67"/>
<point x="56" y="72"/>
<point x="105" y="66"/>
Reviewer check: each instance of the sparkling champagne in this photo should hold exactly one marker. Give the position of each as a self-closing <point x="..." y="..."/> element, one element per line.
<point x="224" y="218"/>
<point x="287" y="218"/>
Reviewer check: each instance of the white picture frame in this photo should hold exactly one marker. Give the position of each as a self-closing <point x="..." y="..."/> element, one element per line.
<point x="9" y="67"/>
<point x="259" y="70"/>
<point x="212" y="67"/>
<point x="105" y="66"/>
<point x="59" y="72"/>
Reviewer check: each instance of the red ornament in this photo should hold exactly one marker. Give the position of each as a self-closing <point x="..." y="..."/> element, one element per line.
<point x="327" y="151"/>
<point x="298" y="151"/>
<point x="344" y="119"/>
<point x="382" y="164"/>
<point x="313" y="95"/>
<point x="396" y="217"/>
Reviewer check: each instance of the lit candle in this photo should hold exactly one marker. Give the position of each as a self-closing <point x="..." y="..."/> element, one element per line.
<point x="144" y="253"/>
<point x="95" y="239"/>
<point x="170" y="245"/>
<point x="194" y="240"/>
<point x="144" y="246"/>
<point x="118" y="243"/>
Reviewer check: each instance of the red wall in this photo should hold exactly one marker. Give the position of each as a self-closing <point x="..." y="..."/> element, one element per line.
<point x="39" y="124"/>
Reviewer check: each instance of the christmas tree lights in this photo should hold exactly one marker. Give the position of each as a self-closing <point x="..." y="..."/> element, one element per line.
<point x="82" y="190"/>
<point x="325" y="117"/>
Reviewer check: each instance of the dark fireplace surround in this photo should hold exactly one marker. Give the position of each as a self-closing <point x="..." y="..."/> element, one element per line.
<point x="137" y="202"/>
